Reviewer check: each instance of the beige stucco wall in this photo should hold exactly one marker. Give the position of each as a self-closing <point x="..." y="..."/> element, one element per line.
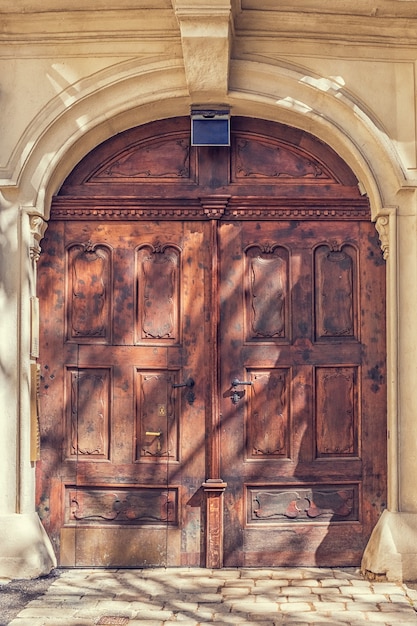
<point x="71" y="79"/>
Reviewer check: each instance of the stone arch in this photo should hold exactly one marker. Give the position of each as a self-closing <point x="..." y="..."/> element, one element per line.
<point x="116" y="100"/>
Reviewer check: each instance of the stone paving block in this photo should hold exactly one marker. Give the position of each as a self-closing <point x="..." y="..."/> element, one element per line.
<point x="250" y="607"/>
<point x="389" y="618"/>
<point x="297" y="591"/>
<point x="350" y="590"/>
<point x="398" y="599"/>
<point x="346" y="572"/>
<point x="201" y="597"/>
<point x="185" y="622"/>
<point x="263" y="607"/>
<point x="270" y="597"/>
<point x="27" y="621"/>
<point x="330" y="582"/>
<point x="114" y="605"/>
<point x="361" y="582"/>
<point x="387" y="588"/>
<point x="52" y="621"/>
<point x="326" y="592"/>
<point x="232" y="572"/>
<point x="180" y="605"/>
<point x="248" y="583"/>
<point x="304" y="619"/>
<point x="234" y="592"/>
<point x="146" y="622"/>
<point x="279" y="581"/>
<point x="360" y="605"/>
<point x="155" y="615"/>
<point x="308" y="582"/>
<point x="324" y="607"/>
<point x="263" y="620"/>
<point x="257" y="574"/>
<point x="404" y="609"/>
<point x="290" y="573"/>
<point x="204" y="615"/>
<point x="47" y="612"/>
<point x="132" y="596"/>
<point x="296" y="607"/>
<point x="345" y="617"/>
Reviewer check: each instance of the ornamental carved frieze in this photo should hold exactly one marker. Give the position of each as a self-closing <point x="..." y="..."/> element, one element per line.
<point x="203" y="208"/>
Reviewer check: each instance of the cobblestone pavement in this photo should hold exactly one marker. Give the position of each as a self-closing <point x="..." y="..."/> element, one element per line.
<point x="189" y="597"/>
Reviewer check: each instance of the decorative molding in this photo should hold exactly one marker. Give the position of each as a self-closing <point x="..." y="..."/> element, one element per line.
<point x="382" y="227"/>
<point x="303" y="504"/>
<point x="37" y="230"/>
<point x="214" y="207"/>
<point x="209" y="207"/>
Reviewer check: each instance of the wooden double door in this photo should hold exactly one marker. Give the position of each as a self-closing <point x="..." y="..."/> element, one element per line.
<point x="212" y="357"/>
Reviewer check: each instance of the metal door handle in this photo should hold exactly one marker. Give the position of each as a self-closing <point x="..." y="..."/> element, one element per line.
<point x="237" y="395"/>
<point x="157" y="434"/>
<point x="236" y="382"/>
<point x="188" y="383"/>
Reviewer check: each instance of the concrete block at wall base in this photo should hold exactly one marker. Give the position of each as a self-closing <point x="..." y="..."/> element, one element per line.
<point x="392" y="548"/>
<point x="25" y="549"/>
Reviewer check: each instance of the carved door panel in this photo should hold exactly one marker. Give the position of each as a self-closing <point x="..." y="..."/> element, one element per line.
<point x="303" y="397"/>
<point x="122" y="436"/>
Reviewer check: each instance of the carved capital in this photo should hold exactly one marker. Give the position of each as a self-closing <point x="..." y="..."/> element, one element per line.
<point x="214" y="206"/>
<point x="37" y="231"/>
<point x="382" y="227"/>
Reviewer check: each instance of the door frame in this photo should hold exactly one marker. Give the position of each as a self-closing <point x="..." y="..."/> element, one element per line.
<point x="212" y="207"/>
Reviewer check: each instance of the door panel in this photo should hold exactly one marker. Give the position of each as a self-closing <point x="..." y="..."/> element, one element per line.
<point x="302" y="335"/>
<point x="123" y="453"/>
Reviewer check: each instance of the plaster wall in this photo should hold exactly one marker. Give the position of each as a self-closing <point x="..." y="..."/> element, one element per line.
<point x="71" y="79"/>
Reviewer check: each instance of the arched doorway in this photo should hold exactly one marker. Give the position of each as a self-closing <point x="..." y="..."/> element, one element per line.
<point x="213" y="354"/>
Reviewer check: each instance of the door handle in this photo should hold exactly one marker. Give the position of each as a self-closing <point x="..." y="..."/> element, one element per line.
<point x="156" y="434"/>
<point x="190" y="384"/>
<point x="236" y="382"/>
<point x="237" y="395"/>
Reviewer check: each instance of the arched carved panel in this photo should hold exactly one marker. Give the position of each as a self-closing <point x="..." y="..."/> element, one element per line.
<point x="262" y="158"/>
<point x="167" y="158"/>
<point x="89" y="289"/>
<point x="335" y="292"/>
<point x="158" y="293"/>
<point x="267" y="301"/>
